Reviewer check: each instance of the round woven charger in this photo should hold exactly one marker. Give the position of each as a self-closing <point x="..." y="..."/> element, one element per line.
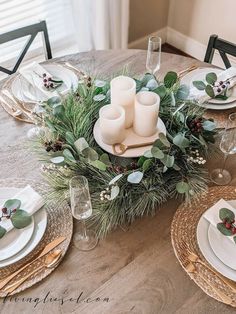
<point x="59" y="223"/>
<point x="184" y="231"/>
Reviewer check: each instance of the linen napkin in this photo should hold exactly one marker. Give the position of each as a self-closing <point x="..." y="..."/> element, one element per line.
<point x="31" y="202"/>
<point x="212" y="214"/>
<point x="229" y="74"/>
<point x="33" y="73"/>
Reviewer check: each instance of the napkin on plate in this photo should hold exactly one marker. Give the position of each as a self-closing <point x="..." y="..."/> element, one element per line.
<point x="31" y="202"/>
<point x="212" y="214"/>
<point x="229" y="74"/>
<point x="33" y="73"/>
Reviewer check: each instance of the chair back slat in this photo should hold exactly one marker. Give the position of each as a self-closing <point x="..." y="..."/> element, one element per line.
<point x="224" y="47"/>
<point x="32" y="31"/>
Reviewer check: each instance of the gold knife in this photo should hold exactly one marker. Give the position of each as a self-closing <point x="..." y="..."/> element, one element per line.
<point x="46" y="250"/>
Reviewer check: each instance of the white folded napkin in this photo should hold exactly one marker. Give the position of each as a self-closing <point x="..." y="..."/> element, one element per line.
<point x="33" y="73"/>
<point x="224" y="75"/>
<point x="212" y="214"/>
<point x="31" y="202"/>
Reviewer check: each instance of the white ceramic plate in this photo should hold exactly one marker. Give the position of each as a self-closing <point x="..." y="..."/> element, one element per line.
<point x="131" y="138"/>
<point x="24" y="91"/>
<point x="215" y="104"/>
<point x="40" y="223"/>
<point x="16" y="239"/>
<point x="204" y="245"/>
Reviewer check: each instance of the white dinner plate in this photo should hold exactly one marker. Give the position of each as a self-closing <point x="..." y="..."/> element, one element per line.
<point x="215" y="104"/>
<point x="130" y="138"/>
<point x="15" y="239"/>
<point x="26" y="92"/>
<point x="205" y="247"/>
<point x="40" y="224"/>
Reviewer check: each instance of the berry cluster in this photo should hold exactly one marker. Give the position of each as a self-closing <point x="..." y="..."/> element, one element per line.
<point x="230" y="225"/>
<point x="196" y="158"/>
<point x="196" y="125"/>
<point x="55" y="147"/>
<point x="7" y="213"/>
<point x="222" y="86"/>
<point x="47" y="81"/>
<point x="105" y="195"/>
<point x="119" y="169"/>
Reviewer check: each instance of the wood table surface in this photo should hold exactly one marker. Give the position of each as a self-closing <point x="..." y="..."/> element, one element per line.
<point x="136" y="269"/>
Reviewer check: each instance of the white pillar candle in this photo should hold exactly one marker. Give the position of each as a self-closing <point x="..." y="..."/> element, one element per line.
<point x="146" y="113"/>
<point x="112" y="124"/>
<point x="123" y="90"/>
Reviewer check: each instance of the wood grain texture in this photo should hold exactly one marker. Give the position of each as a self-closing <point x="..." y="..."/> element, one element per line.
<point x="136" y="269"/>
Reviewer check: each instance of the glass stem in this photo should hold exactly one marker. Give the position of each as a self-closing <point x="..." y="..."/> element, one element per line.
<point x="84" y="230"/>
<point x="224" y="162"/>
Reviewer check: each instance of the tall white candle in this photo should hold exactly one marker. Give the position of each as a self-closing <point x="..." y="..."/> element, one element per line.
<point x="123" y="89"/>
<point x="146" y="113"/>
<point x="112" y="124"/>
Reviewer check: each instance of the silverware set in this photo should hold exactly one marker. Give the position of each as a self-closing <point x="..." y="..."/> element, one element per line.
<point x="51" y="260"/>
<point x="190" y="260"/>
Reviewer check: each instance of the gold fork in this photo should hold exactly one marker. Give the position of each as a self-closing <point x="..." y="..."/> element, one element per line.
<point x="186" y="71"/>
<point x="194" y="258"/>
<point x="190" y="268"/>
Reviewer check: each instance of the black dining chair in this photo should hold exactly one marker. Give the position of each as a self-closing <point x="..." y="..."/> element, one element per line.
<point x="32" y="31"/>
<point x="224" y="47"/>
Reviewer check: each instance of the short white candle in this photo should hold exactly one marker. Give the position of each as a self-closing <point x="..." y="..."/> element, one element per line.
<point x="146" y="113"/>
<point x="123" y="89"/>
<point x="112" y="124"/>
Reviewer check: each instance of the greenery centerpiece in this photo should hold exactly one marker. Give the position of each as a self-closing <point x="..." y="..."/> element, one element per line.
<point x="123" y="189"/>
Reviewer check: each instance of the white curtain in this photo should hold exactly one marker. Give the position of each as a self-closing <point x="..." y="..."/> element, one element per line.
<point x="101" y="24"/>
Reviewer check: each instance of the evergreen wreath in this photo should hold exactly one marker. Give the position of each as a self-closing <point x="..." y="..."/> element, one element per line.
<point x="123" y="189"/>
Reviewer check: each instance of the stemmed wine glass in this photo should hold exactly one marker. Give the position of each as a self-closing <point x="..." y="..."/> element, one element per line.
<point x="153" y="62"/>
<point x="228" y="147"/>
<point x="81" y="207"/>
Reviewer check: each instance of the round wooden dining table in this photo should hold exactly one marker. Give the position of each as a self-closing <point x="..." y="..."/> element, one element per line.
<point x="130" y="271"/>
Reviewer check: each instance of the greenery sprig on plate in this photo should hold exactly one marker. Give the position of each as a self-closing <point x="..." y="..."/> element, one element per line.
<point x="19" y="217"/>
<point x="123" y="189"/>
<point x="227" y="227"/>
<point x="212" y="87"/>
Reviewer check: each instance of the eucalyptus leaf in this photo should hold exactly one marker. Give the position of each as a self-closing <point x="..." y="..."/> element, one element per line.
<point x="90" y="153"/>
<point x="57" y="160"/>
<point x="99" y="165"/>
<point x="147" y="164"/>
<point x="141" y="161"/>
<point x="135" y="177"/>
<point x="161" y="91"/>
<point x="211" y="78"/>
<point x="199" y="85"/>
<point x="68" y="155"/>
<point x="2" y="232"/>
<point x="227" y="214"/>
<point x="164" y="169"/>
<point x="168" y="161"/>
<point x="115" y="190"/>
<point x="183" y="92"/>
<point x="148" y="154"/>
<point x="222" y="228"/>
<point x="55" y="100"/>
<point x="70" y="139"/>
<point x="182" y="187"/>
<point x="209" y="125"/>
<point x="181" y="141"/>
<point x="144" y="89"/>
<point x="164" y="140"/>
<point x="170" y="79"/>
<point x="105" y="159"/>
<point x="99" y="83"/>
<point x="210" y="91"/>
<point x="49" y="124"/>
<point x="99" y="97"/>
<point x="81" y="144"/>
<point x="152" y="84"/>
<point x="157" y="153"/>
<point x="58" y="110"/>
<point x="173" y="101"/>
<point x="21" y="219"/>
<point x="12" y="204"/>
<point x="116" y="178"/>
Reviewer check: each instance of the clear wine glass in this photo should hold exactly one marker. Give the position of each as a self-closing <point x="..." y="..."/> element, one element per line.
<point x="228" y="147"/>
<point x="85" y="239"/>
<point x="153" y="62"/>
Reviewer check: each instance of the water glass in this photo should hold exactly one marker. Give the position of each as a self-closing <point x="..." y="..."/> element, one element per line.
<point x="81" y="207"/>
<point x="228" y="147"/>
<point x="153" y="62"/>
